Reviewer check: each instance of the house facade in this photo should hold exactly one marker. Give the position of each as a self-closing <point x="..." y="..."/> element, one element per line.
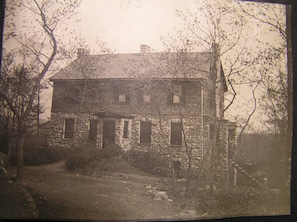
<point x="144" y="101"/>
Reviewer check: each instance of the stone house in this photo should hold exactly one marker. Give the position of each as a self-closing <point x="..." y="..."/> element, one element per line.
<point x="145" y="101"/>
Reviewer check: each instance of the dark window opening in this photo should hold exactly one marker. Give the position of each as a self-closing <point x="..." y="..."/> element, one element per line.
<point x="69" y="128"/>
<point x="126" y="123"/>
<point x="145" y="132"/>
<point x="93" y="129"/>
<point x="231" y="135"/>
<point x="176" y="134"/>
<point x="108" y="133"/>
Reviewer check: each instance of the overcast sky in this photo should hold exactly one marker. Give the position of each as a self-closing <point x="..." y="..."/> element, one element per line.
<point x="125" y="24"/>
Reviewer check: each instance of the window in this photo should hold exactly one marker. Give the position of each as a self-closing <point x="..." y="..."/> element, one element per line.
<point x="176" y="98"/>
<point x="175" y="95"/>
<point x="93" y="129"/>
<point x="122" y="98"/>
<point x="147" y="98"/>
<point x="69" y="129"/>
<point x="176" y="134"/>
<point x="126" y="123"/>
<point x="145" y="132"/>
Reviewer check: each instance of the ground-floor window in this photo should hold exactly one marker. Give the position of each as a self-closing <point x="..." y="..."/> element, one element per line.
<point x="93" y="129"/>
<point x="126" y="124"/>
<point x="69" y="129"/>
<point x="176" y="134"/>
<point x="145" y="132"/>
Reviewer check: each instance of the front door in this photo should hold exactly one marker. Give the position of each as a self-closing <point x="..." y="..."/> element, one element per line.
<point x="108" y="133"/>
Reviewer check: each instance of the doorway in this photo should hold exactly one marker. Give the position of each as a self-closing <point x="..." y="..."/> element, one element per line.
<point x="108" y="133"/>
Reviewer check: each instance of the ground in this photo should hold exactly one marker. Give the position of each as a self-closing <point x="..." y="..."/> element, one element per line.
<point x="62" y="195"/>
<point x="65" y="195"/>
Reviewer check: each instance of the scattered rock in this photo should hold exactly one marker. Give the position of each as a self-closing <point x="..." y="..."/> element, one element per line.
<point x="170" y="200"/>
<point x="188" y="214"/>
<point x="148" y="186"/>
<point x="161" y="195"/>
<point x="152" y="193"/>
<point x="127" y="189"/>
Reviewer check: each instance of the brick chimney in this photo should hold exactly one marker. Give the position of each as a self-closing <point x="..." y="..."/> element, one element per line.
<point x="145" y="49"/>
<point x="82" y="52"/>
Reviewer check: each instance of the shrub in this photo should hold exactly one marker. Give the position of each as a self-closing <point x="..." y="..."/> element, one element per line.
<point x="150" y="162"/>
<point x="84" y="155"/>
<point x="81" y="156"/>
<point x="34" y="156"/>
<point x="112" y="151"/>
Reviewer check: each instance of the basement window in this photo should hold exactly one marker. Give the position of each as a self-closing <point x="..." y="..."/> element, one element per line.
<point x="69" y="128"/>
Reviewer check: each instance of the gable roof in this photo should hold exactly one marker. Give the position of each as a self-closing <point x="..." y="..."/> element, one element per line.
<point x="135" y="65"/>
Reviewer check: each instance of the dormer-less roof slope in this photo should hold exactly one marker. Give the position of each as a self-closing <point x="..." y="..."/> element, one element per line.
<point x="137" y="65"/>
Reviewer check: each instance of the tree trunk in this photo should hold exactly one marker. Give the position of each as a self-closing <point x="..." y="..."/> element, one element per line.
<point x="21" y="140"/>
<point x="188" y="176"/>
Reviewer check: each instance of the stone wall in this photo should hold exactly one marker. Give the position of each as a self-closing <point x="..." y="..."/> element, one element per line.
<point x="160" y="138"/>
<point x="81" y="129"/>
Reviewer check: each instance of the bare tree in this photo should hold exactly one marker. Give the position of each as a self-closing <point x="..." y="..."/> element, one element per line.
<point x="45" y="18"/>
<point x="276" y="74"/>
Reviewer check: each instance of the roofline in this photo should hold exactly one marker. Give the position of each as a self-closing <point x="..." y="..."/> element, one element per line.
<point x="62" y="80"/>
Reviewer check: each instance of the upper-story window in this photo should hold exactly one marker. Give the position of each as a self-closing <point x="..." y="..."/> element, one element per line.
<point x="175" y="95"/>
<point x="122" y="98"/>
<point x="176" y="98"/>
<point x="146" y="97"/>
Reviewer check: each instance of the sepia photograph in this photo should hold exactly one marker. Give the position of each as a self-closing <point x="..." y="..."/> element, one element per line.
<point x="145" y="110"/>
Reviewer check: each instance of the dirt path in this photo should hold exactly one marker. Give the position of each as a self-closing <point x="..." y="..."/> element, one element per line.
<point x="63" y="195"/>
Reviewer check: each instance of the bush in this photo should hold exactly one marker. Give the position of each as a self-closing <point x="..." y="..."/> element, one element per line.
<point x="84" y="155"/>
<point x="150" y="162"/>
<point x="34" y="156"/>
<point x="81" y="156"/>
<point x="111" y="152"/>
